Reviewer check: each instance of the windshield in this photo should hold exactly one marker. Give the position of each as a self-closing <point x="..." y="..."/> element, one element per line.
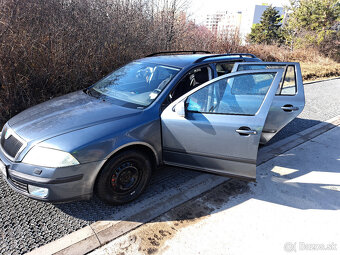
<point x="136" y="84"/>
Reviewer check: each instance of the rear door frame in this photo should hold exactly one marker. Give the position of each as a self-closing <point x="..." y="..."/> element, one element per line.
<point x="278" y="117"/>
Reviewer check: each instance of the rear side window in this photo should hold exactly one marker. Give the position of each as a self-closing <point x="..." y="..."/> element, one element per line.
<point x="224" y="68"/>
<point x="241" y="95"/>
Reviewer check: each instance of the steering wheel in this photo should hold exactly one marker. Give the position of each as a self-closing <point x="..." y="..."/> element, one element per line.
<point x="157" y="91"/>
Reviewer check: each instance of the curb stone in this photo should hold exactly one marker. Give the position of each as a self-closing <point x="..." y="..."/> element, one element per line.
<point x="330" y="79"/>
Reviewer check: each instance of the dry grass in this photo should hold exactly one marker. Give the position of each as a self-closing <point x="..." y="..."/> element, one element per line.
<point x="314" y="66"/>
<point x="319" y="70"/>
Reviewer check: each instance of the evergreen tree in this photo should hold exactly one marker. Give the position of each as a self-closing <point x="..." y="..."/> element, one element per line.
<point x="268" y="30"/>
<point x="315" y="23"/>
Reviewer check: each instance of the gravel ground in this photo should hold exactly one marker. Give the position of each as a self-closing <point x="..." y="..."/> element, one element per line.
<point x="27" y="224"/>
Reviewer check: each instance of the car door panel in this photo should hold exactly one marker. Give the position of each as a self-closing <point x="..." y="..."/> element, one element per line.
<point x="194" y="145"/>
<point x="285" y="106"/>
<point x="216" y="141"/>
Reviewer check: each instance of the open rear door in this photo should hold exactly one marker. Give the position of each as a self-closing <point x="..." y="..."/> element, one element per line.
<point x="217" y="126"/>
<point x="289" y="99"/>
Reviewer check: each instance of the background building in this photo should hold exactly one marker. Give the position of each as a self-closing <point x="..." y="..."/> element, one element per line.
<point x="212" y="20"/>
<point x="240" y="21"/>
<point x="230" y="23"/>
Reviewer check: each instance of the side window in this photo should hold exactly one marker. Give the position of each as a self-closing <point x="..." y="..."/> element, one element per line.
<point x="258" y="67"/>
<point x="224" y="68"/>
<point x="190" y="81"/>
<point x="289" y="82"/>
<point x="241" y="94"/>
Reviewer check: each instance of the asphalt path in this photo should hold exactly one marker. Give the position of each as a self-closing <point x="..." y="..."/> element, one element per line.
<point x="26" y="224"/>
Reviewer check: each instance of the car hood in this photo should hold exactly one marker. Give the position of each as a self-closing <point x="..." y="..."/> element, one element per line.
<point x="64" y="114"/>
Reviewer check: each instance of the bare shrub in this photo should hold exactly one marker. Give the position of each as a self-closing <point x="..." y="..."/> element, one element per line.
<point x="281" y="53"/>
<point x="52" y="47"/>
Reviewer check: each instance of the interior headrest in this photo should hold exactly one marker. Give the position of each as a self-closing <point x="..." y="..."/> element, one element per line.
<point x="202" y="76"/>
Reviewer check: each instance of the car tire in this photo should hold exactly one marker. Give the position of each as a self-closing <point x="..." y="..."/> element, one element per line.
<point x="124" y="177"/>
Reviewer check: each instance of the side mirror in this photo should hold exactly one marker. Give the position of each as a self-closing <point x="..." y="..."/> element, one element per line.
<point x="180" y="108"/>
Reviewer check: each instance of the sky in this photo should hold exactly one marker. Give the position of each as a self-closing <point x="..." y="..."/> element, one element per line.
<point x="198" y="9"/>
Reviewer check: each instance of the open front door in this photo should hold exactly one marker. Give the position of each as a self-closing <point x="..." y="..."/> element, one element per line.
<point x="289" y="99"/>
<point x="217" y="126"/>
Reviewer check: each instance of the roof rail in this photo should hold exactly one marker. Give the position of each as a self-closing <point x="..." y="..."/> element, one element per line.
<point x="227" y="54"/>
<point x="179" y="51"/>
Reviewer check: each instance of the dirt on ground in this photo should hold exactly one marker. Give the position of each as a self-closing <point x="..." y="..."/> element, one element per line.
<point x="151" y="237"/>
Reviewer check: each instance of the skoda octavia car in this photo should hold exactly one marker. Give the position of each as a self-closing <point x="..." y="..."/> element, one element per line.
<point x="200" y="111"/>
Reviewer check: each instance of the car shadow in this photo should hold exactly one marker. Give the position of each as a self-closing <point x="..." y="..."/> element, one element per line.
<point x="293" y="127"/>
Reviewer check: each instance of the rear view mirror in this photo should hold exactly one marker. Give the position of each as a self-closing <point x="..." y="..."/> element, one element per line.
<point x="180" y="108"/>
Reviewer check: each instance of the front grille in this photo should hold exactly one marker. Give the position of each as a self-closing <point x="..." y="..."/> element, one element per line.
<point x="11" y="145"/>
<point x="19" y="185"/>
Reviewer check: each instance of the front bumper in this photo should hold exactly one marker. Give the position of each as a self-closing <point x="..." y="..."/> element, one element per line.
<point x="64" y="184"/>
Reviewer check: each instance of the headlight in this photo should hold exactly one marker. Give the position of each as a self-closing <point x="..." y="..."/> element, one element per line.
<point x="47" y="157"/>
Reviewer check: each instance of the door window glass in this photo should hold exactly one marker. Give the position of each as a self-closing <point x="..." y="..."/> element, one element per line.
<point x="241" y="94"/>
<point x="258" y="67"/>
<point x="288" y="85"/>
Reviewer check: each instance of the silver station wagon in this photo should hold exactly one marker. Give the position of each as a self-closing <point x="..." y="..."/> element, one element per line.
<point x="199" y="111"/>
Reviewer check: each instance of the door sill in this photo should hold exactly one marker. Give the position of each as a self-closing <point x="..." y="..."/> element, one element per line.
<point x="208" y="170"/>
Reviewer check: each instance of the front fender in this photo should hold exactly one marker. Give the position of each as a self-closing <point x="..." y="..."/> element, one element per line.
<point x="100" y="142"/>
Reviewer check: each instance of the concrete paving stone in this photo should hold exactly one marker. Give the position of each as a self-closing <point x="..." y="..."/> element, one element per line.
<point x="332" y="139"/>
<point x="65" y="242"/>
<point x="84" y="246"/>
<point x="116" y="230"/>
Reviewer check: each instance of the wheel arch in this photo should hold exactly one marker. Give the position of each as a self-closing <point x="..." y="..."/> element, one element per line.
<point x="139" y="146"/>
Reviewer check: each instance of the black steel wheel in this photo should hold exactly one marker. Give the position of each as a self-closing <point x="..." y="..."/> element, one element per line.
<point x="124" y="177"/>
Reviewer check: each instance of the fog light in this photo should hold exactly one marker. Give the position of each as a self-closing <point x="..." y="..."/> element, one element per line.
<point x="37" y="191"/>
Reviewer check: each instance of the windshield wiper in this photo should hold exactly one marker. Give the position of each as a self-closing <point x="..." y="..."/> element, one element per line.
<point x="88" y="92"/>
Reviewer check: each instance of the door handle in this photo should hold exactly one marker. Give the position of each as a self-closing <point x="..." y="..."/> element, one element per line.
<point x="246" y="132"/>
<point x="289" y="108"/>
